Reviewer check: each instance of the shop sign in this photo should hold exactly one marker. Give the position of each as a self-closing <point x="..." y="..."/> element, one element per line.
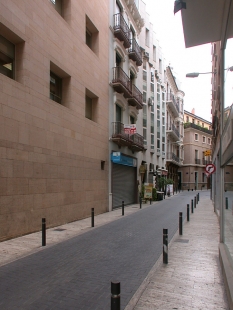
<point x="121" y="159"/>
<point x="148" y="192"/>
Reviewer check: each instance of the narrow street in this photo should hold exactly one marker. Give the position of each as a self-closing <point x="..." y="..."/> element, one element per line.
<point x="76" y="274"/>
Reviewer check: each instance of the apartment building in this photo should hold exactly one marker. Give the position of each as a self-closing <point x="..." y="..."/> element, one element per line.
<point x="54" y="110"/>
<point x="197" y="140"/>
<point x="174" y="128"/>
<point x="153" y="115"/>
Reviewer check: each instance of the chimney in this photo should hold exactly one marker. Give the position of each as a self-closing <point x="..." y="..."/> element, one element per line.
<point x="193" y="111"/>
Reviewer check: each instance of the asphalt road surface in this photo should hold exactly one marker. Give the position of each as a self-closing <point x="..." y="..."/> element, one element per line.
<point x="77" y="273"/>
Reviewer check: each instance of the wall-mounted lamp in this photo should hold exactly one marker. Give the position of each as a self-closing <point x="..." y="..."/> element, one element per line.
<point x="196" y="74"/>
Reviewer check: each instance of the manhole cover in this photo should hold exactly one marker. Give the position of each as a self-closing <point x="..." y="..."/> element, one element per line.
<point x="59" y="229"/>
<point x="182" y="240"/>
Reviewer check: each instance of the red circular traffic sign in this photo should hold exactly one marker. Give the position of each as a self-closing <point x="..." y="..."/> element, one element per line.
<point x="210" y="168"/>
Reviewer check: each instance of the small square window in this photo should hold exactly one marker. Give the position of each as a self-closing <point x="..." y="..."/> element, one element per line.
<point x="91" y="106"/>
<point x="55" y="87"/>
<point x="208" y="140"/>
<point x="102" y="164"/>
<point x="196" y="137"/>
<point x="204" y="139"/>
<point x="7" y="57"/>
<point x="57" y="5"/>
<point x="92" y="36"/>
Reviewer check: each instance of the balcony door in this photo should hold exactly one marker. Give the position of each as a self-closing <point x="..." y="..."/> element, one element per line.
<point x="118" y="113"/>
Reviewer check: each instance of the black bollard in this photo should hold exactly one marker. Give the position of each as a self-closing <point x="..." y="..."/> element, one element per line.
<point x="165" y="246"/>
<point x="92" y="217"/>
<point x="198" y="196"/>
<point x="123" y="208"/>
<point x="197" y="199"/>
<point x="226" y="202"/>
<point x="150" y="201"/>
<point x="187" y="212"/>
<point x="43" y="231"/>
<point x="180" y="223"/>
<point x="115" y="296"/>
<point x="195" y="202"/>
<point x="192" y="205"/>
<point x="140" y="201"/>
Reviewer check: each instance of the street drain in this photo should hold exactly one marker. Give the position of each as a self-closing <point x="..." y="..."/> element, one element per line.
<point x="59" y="229"/>
<point x="182" y="240"/>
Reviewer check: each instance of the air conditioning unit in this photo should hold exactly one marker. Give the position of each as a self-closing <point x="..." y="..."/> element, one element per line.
<point x="150" y="102"/>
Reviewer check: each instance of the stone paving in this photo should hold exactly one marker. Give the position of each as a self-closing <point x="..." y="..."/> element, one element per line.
<point x="74" y="270"/>
<point x="192" y="279"/>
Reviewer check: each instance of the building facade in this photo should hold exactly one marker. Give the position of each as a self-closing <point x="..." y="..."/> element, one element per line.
<point x="197" y="140"/>
<point x="125" y="138"/>
<point x="54" y="113"/>
<point x="174" y="128"/>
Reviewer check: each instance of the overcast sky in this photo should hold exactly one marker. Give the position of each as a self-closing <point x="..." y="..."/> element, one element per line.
<point x="169" y="31"/>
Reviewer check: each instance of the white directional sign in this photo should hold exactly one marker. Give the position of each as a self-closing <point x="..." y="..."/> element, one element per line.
<point x="210" y="168"/>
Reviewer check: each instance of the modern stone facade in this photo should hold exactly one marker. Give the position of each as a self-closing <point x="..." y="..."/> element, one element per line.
<point x="53" y="113"/>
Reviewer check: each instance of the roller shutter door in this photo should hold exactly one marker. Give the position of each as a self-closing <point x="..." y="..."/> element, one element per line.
<point x="123" y="185"/>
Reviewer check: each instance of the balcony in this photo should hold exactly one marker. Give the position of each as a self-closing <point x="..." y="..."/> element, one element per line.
<point x="171" y="157"/>
<point x="171" y="103"/>
<point x="136" y="99"/>
<point x="121" y="82"/>
<point x="121" y="30"/>
<point x="135" y="52"/>
<point x="203" y="129"/>
<point x="197" y="161"/>
<point x="173" y="131"/>
<point x="137" y="143"/>
<point x="206" y="162"/>
<point x="134" y="142"/>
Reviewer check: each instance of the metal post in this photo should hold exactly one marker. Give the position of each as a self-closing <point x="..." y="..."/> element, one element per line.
<point x="197" y="199"/>
<point x="123" y="208"/>
<point x="150" y="201"/>
<point x="165" y="246"/>
<point x="187" y="212"/>
<point x="92" y="217"/>
<point x="180" y="223"/>
<point x="195" y="202"/>
<point x="43" y="231"/>
<point x="226" y="202"/>
<point x="140" y="201"/>
<point x="192" y="205"/>
<point x="115" y="296"/>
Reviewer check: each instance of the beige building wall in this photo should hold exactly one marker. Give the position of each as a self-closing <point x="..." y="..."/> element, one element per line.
<point x="53" y="160"/>
<point x="197" y="140"/>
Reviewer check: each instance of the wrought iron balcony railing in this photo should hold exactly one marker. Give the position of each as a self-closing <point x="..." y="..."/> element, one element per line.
<point x="174" y="129"/>
<point x="121" y="29"/>
<point x="197" y="161"/>
<point x="135" y="52"/>
<point x="134" y="142"/>
<point x="121" y="82"/>
<point x="172" y="156"/>
<point x="171" y="98"/>
<point x="136" y="99"/>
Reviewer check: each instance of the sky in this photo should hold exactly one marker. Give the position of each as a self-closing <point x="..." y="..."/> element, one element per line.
<point x="169" y="31"/>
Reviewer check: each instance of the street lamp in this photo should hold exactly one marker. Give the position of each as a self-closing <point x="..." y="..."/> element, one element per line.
<point x="196" y="74"/>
